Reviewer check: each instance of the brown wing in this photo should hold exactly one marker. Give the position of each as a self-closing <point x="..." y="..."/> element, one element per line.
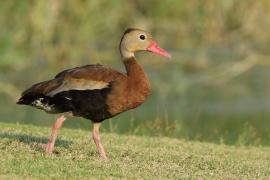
<point x="94" y="72"/>
<point x="87" y="77"/>
<point x="79" y="78"/>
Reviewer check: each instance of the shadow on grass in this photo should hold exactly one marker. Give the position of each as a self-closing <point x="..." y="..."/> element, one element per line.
<point x="29" y="139"/>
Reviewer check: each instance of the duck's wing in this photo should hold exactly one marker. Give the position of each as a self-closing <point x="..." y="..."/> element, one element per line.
<point x="89" y="77"/>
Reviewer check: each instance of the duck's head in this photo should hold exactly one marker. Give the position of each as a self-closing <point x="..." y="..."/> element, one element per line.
<point x="135" y="40"/>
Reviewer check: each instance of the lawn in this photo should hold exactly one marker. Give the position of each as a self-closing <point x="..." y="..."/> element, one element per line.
<point x="130" y="157"/>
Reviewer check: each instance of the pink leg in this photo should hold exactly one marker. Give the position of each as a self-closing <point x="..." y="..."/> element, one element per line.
<point x="50" y="145"/>
<point x="96" y="139"/>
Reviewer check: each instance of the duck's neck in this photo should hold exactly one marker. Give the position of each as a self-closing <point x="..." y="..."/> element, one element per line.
<point x="133" y="69"/>
<point x="137" y="78"/>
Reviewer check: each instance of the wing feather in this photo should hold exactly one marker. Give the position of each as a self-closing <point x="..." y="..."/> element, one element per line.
<point x="88" y="77"/>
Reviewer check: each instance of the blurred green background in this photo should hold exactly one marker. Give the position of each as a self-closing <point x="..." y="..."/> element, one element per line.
<point x="215" y="88"/>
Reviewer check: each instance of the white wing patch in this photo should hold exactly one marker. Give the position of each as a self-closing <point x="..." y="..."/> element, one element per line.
<point x="38" y="103"/>
<point x="79" y="84"/>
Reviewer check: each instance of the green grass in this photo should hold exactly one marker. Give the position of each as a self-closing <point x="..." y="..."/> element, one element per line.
<point x="130" y="157"/>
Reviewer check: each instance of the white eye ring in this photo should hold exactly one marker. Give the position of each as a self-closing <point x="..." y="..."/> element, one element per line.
<point x="142" y="37"/>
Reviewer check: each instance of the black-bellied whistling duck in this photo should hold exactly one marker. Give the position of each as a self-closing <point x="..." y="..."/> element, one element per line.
<point x="95" y="92"/>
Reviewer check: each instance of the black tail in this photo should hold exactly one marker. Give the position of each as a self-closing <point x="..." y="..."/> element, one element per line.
<point x="21" y="101"/>
<point x="29" y="98"/>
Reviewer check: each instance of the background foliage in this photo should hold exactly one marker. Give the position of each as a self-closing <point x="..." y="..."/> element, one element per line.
<point x="215" y="88"/>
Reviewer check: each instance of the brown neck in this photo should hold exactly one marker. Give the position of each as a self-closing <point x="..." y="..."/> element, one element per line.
<point x="137" y="77"/>
<point x="133" y="68"/>
<point x="138" y="83"/>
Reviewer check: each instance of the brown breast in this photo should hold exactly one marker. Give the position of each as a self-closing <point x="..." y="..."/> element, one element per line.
<point x="130" y="92"/>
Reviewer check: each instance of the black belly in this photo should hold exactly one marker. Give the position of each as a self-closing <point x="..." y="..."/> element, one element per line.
<point x="90" y="104"/>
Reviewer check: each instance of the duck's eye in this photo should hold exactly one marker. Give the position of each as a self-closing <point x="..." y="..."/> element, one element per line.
<point x="142" y="37"/>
